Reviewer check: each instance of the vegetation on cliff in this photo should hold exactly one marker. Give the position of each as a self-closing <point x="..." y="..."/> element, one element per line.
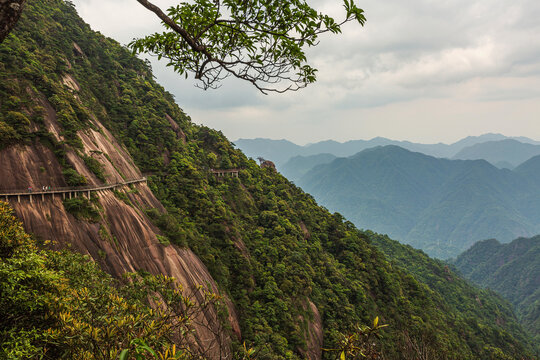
<point x="60" y="305"/>
<point x="512" y="270"/>
<point x="268" y="245"/>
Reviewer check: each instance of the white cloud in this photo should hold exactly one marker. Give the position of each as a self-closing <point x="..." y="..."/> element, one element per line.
<point x="411" y="58"/>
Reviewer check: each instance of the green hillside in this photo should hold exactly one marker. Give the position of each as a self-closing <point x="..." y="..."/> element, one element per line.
<point x="512" y="270"/>
<point x="268" y="245"/>
<point x="441" y="206"/>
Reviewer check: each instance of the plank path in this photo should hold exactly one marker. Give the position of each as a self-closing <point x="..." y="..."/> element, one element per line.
<point x="65" y="191"/>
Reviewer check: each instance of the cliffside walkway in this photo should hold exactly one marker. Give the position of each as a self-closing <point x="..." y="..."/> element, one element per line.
<point x="223" y="173"/>
<point x="65" y="191"/>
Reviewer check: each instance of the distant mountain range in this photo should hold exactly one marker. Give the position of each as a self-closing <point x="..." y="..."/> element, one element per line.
<point x="280" y="151"/>
<point x="512" y="270"/>
<point x="441" y="206"/>
<point x="298" y="166"/>
<point x="507" y="153"/>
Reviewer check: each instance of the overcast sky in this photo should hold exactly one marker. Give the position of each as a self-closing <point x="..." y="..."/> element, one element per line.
<point x="420" y="70"/>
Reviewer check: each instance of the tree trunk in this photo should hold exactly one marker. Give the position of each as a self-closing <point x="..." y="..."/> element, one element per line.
<point x="10" y="11"/>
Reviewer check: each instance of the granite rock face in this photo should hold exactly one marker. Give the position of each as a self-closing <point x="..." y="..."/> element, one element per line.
<point x="124" y="239"/>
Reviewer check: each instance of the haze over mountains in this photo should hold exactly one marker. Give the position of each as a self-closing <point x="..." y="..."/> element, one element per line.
<point x="507" y="153"/>
<point x="280" y="151"/>
<point x="441" y="206"/>
<point x="76" y="110"/>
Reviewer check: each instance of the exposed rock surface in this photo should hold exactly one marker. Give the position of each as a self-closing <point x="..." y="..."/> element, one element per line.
<point x="315" y="334"/>
<point x="10" y="12"/>
<point x="124" y="240"/>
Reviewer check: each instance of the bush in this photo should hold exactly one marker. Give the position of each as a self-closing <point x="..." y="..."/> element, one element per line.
<point x="60" y="305"/>
<point x="73" y="178"/>
<point x="82" y="209"/>
<point x="94" y="166"/>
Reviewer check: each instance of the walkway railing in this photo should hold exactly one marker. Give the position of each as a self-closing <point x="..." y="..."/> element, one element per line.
<point x="222" y="173"/>
<point x="66" y="190"/>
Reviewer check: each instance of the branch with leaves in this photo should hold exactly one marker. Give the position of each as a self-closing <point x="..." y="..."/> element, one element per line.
<point x="262" y="42"/>
<point x="360" y="345"/>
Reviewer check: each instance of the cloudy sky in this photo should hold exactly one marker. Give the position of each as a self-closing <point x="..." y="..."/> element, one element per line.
<point x="420" y="70"/>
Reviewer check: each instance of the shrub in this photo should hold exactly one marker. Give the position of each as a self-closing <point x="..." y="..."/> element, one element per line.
<point x="82" y="209"/>
<point x="73" y="178"/>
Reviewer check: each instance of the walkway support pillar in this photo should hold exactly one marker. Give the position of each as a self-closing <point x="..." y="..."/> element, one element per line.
<point x="19" y="198"/>
<point x="30" y="199"/>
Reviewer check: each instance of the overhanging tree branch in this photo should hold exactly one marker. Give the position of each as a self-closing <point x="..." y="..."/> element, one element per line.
<point x="259" y="42"/>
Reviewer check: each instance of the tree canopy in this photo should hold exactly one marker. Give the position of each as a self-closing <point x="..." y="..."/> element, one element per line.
<point x="262" y="42"/>
<point x="259" y="41"/>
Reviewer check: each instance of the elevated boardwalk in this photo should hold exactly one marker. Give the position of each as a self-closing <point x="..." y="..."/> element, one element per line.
<point x="223" y="173"/>
<point x="64" y="191"/>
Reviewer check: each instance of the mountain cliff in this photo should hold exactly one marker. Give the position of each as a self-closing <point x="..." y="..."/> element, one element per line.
<point x="77" y="109"/>
<point x="55" y="137"/>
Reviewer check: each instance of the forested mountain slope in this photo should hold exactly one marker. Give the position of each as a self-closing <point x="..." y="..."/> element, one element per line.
<point x="77" y="108"/>
<point x="441" y="206"/>
<point x="512" y="270"/>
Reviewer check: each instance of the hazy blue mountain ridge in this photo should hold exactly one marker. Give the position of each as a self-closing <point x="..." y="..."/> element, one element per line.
<point x="530" y="167"/>
<point x="441" y="206"/>
<point x="506" y="153"/>
<point x="298" y="166"/>
<point x="280" y="151"/>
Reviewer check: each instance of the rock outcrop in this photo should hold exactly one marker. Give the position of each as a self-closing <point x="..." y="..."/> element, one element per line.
<point x="124" y="239"/>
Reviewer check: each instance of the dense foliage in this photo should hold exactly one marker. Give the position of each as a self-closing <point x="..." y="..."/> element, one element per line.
<point x="460" y="297"/>
<point x="512" y="270"/>
<point x="268" y="245"/>
<point x="262" y="42"/>
<point x="60" y="305"/>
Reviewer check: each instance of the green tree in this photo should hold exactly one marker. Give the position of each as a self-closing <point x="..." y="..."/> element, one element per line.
<point x="261" y="42"/>
<point x="61" y="305"/>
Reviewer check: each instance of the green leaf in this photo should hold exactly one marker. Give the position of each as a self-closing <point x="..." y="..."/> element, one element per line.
<point x="124" y="354"/>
